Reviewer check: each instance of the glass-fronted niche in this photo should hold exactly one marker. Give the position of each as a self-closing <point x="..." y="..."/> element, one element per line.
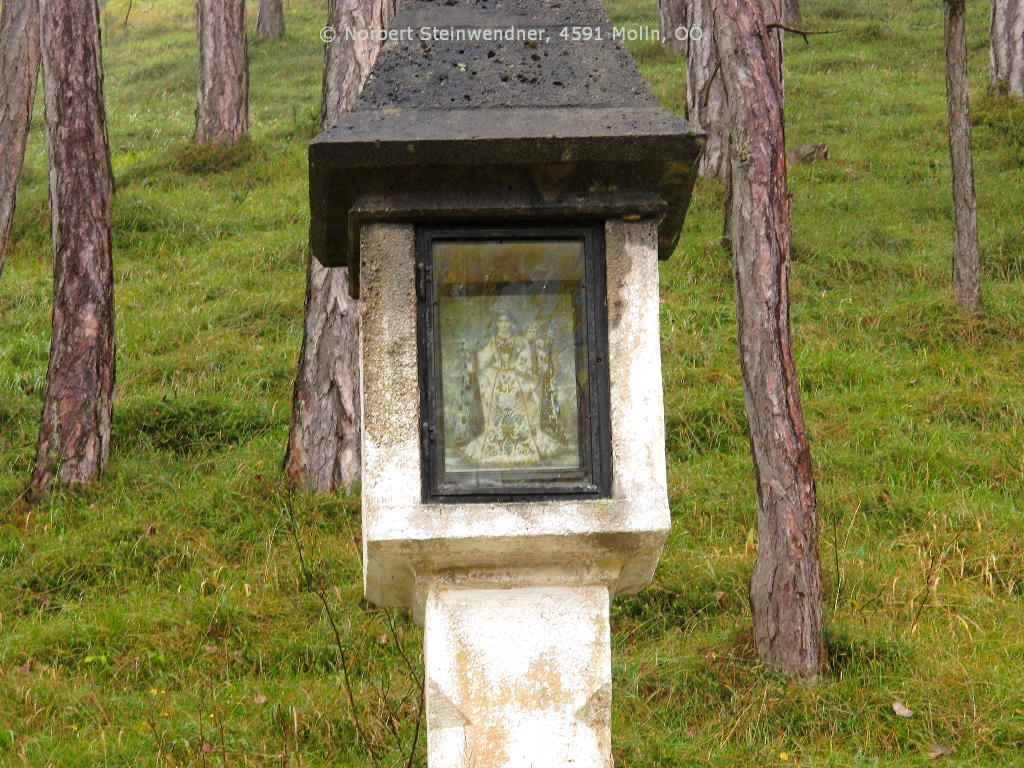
<point x="513" y="362"/>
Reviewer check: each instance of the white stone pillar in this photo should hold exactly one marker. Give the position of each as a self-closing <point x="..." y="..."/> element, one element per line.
<point x="514" y="595"/>
<point x="518" y="677"/>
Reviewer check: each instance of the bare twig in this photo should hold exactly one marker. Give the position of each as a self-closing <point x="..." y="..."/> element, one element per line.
<point x="933" y="567"/>
<point x="705" y="93"/>
<point x="389" y="717"/>
<point x="401" y="649"/>
<point x="835" y="553"/>
<point x="927" y="584"/>
<point x="161" y="751"/>
<point x="223" y="742"/>
<point x="1014" y="239"/>
<point x="284" y="740"/>
<point x="202" y="734"/>
<point x="416" y="733"/>
<point x="805" y="33"/>
<point x="417" y="678"/>
<point x="342" y="654"/>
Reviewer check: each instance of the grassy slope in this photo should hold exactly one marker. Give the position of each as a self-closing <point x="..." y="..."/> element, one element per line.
<point x="165" y="607"/>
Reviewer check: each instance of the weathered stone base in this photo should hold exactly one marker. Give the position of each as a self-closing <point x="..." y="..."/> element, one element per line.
<point x="518" y="677"/>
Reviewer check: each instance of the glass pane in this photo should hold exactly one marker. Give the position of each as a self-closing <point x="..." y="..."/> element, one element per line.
<point x="512" y="360"/>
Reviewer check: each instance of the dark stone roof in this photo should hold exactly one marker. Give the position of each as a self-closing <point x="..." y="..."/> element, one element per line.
<point x="487" y="74"/>
<point x="501" y="106"/>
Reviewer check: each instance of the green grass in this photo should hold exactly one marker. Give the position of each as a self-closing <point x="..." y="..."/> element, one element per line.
<point x="166" y="607"/>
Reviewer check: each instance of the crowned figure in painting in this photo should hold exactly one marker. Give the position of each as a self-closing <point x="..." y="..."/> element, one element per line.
<point x="508" y="412"/>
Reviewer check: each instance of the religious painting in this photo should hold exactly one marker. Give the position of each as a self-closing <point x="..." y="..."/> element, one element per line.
<point x="509" y="382"/>
<point x="511" y="352"/>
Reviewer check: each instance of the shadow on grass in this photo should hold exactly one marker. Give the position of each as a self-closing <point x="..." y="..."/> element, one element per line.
<point x="190" y="426"/>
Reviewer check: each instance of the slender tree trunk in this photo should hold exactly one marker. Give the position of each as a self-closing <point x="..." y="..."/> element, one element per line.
<point x="1006" y="48"/>
<point x="705" y="96"/>
<point x="348" y="64"/>
<point x="74" y="436"/>
<point x="19" y="71"/>
<point x="323" y="442"/>
<point x="222" y="109"/>
<point x="673" y="18"/>
<point x="785" y="591"/>
<point x="790" y="12"/>
<point x="270" y="22"/>
<point x="966" y="259"/>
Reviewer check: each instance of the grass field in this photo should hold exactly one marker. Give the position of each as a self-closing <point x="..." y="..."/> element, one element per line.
<point x="162" y="617"/>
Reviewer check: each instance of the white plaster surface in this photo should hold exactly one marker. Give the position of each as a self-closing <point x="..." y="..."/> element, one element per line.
<point x="518" y="678"/>
<point x="514" y="597"/>
<point x="404" y="539"/>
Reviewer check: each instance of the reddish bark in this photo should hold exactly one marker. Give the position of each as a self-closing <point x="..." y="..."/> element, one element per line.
<point x="785" y="590"/>
<point x="19" y="71"/>
<point x="323" y="453"/>
<point x="1006" y="48"/>
<point x="74" y="436"/>
<point x="348" y="64"/>
<point x="790" y="12"/>
<point x="705" y="95"/>
<point x="673" y="18"/>
<point x="966" y="258"/>
<point x="222" y="102"/>
<point x="270" y="22"/>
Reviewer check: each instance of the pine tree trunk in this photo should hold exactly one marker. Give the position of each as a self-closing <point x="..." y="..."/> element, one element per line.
<point x="673" y="17"/>
<point x="785" y="590"/>
<point x="222" y="109"/>
<point x="74" y="436"/>
<point x="790" y="12"/>
<point x="1006" y="48"/>
<point x="348" y="64"/>
<point x="270" y="22"/>
<point x="323" y="441"/>
<point x="19" y="71"/>
<point x="705" y="95"/>
<point x="966" y="259"/>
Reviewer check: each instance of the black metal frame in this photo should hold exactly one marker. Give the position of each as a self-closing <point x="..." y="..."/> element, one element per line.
<point x="593" y="480"/>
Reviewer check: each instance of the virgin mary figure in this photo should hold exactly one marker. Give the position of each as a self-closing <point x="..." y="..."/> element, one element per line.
<point x="507" y="414"/>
